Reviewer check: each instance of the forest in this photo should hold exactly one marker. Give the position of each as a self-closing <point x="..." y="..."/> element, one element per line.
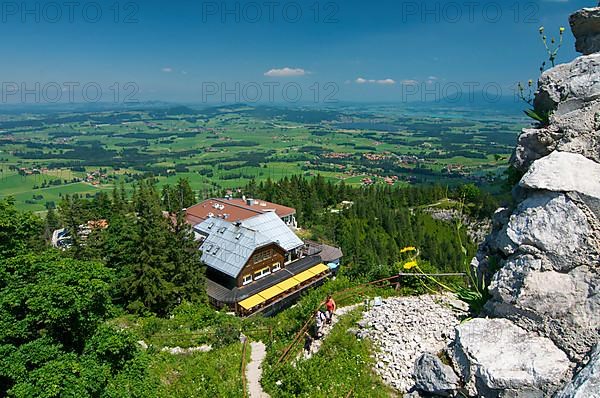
<point x="58" y="336"/>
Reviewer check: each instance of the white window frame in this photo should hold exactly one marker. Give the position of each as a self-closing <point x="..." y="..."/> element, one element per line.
<point x="245" y="280"/>
<point x="262" y="273"/>
<point x="276" y="267"/>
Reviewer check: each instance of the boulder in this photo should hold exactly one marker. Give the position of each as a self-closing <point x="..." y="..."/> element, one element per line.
<point x="586" y="384"/>
<point x="585" y="25"/>
<point x="564" y="172"/>
<point x="551" y="223"/>
<point x="498" y="358"/>
<point x="562" y="306"/>
<point x="570" y="85"/>
<point x="434" y="377"/>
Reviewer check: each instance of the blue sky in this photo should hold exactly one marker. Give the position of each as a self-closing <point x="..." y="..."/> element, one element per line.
<point x="191" y="51"/>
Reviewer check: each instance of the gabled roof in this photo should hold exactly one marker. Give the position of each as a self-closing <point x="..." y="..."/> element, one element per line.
<point x="228" y="246"/>
<point x="271" y="226"/>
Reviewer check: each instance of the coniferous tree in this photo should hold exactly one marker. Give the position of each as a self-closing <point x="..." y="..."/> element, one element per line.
<point x="188" y="276"/>
<point x="148" y="283"/>
<point x="51" y="223"/>
<point x="180" y="196"/>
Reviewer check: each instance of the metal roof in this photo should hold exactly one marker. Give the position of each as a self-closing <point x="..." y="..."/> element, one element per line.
<point x="271" y="226"/>
<point x="228" y="246"/>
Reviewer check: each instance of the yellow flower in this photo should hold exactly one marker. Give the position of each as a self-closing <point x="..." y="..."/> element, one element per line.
<point x="408" y="249"/>
<point x="410" y="265"/>
<point x="562" y="29"/>
<point x="541" y="29"/>
<point x="530" y="83"/>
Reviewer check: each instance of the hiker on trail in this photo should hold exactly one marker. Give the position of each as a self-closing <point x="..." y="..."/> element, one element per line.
<point x="331" y="307"/>
<point x="320" y="319"/>
<point x="308" y="340"/>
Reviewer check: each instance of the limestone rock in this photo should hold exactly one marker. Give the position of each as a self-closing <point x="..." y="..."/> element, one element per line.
<point x="585" y="25"/>
<point x="586" y="384"/>
<point x="571" y="94"/>
<point x="502" y="359"/>
<point x="434" y="377"/>
<point x="551" y="223"/>
<point x="534" y="144"/>
<point x="511" y="277"/>
<point x="543" y="258"/>
<point x="564" y="172"/>
<point x="572" y="83"/>
<point x="562" y="306"/>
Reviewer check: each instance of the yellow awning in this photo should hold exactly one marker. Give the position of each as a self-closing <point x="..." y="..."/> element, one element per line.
<point x="271" y="292"/>
<point x="318" y="269"/>
<point x="304" y="276"/>
<point x="252" y="301"/>
<point x="283" y="286"/>
<point x="288" y="284"/>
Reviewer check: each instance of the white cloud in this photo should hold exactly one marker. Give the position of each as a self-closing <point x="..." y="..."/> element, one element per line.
<point x="285" y="72"/>
<point x="409" y="82"/>
<point x="387" y="82"/>
<point x="167" y="69"/>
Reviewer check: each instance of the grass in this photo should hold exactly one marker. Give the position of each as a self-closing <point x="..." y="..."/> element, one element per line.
<point x="202" y="374"/>
<point x="342" y="366"/>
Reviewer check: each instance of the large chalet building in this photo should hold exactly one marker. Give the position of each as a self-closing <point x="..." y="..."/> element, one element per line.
<point x="257" y="263"/>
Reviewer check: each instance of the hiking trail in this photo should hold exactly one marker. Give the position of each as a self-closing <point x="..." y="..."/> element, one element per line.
<point x="254" y="370"/>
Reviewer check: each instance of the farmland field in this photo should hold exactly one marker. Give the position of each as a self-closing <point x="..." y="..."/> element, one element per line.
<point x="44" y="156"/>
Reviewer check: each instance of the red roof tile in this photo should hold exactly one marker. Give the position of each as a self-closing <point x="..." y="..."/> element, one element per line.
<point x="233" y="210"/>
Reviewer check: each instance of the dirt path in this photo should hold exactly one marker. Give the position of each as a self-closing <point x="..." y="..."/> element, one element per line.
<point x="254" y="370"/>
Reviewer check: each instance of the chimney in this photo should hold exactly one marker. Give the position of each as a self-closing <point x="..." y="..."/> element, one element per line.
<point x="250" y="202"/>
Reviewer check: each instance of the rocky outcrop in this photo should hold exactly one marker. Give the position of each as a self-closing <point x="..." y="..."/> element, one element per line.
<point x="434" y="377"/>
<point x="585" y="25"/>
<point x="497" y="358"/>
<point x="571" y="94"/>
<point x="542" y="259"/>
<point x="477" y="230"/>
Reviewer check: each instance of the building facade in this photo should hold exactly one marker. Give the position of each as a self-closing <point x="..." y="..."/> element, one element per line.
<point x="259" y="264"/>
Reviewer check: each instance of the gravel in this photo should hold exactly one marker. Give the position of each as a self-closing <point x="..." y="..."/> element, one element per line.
<point x="403" y="328"/>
